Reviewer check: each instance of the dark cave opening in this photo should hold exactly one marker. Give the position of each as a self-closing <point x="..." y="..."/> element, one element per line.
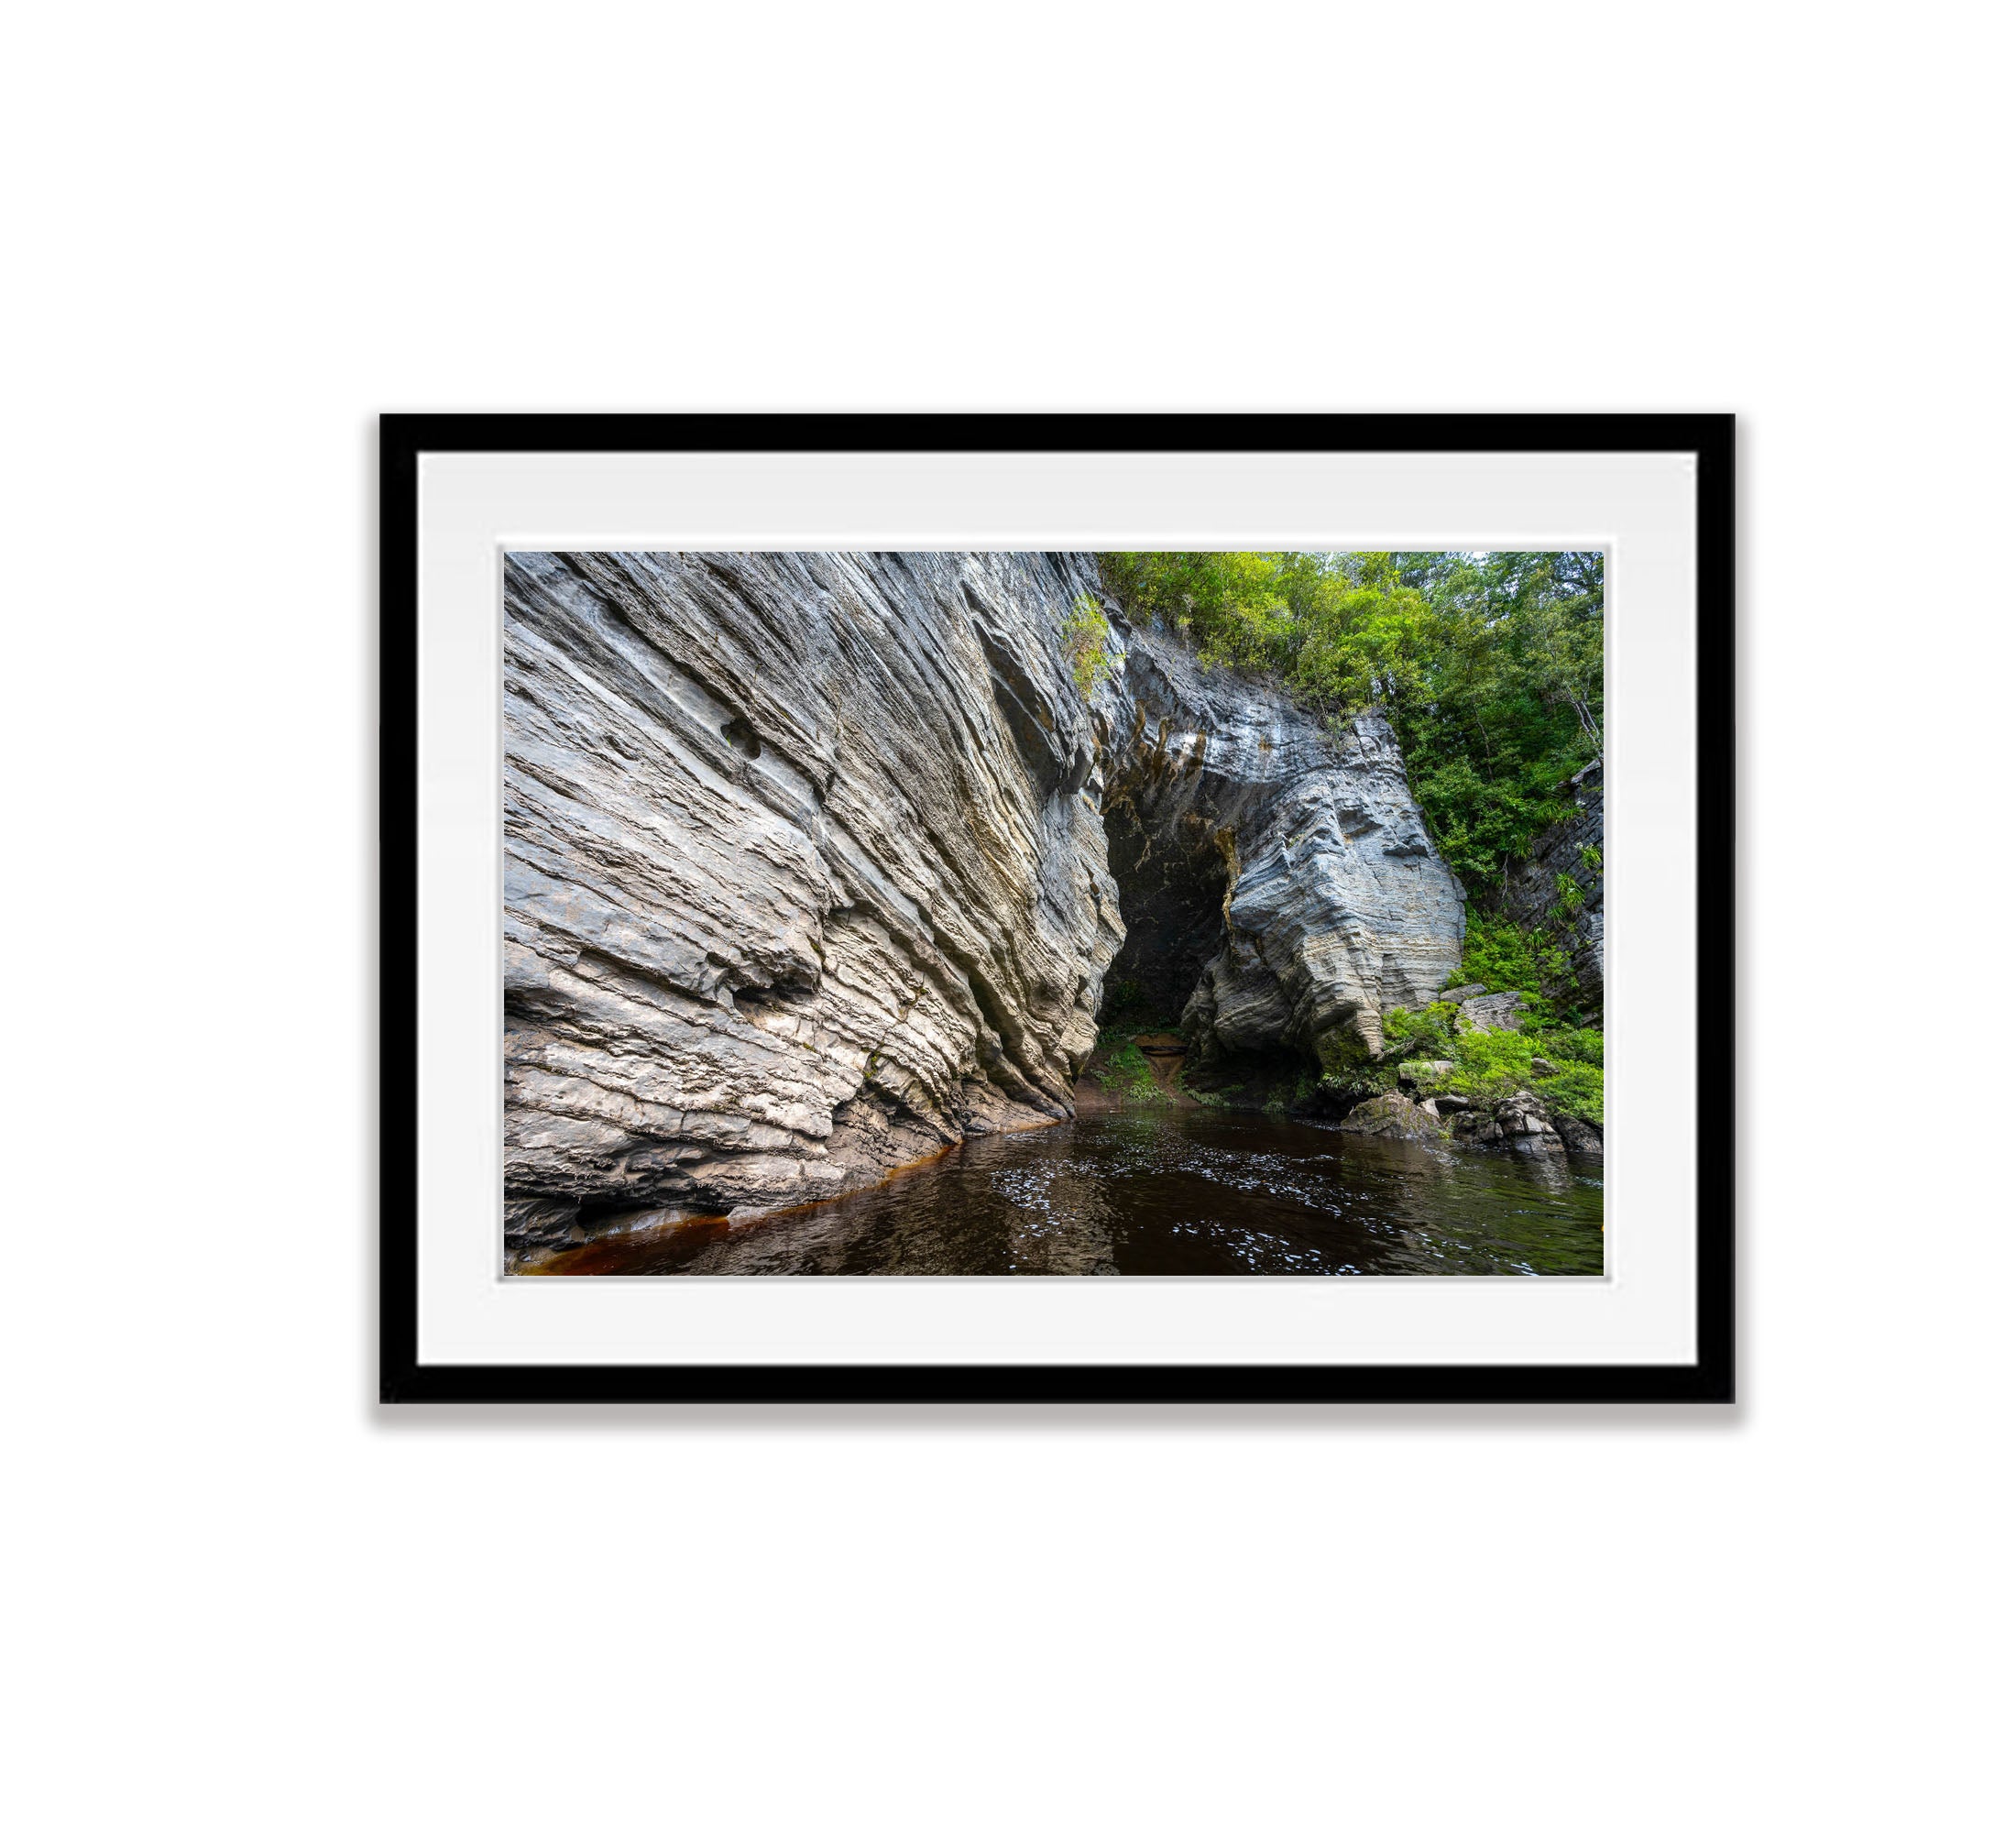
<point x="1172" y="899"/>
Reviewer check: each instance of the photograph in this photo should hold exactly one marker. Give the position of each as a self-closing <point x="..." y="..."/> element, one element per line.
<point x="945" y="920"/>
<point x="993" y="914"/>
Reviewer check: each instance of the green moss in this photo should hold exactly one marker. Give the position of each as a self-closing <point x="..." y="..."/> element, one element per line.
<point x="1125" y="1072"/>
<point x="1342" y="1051"/>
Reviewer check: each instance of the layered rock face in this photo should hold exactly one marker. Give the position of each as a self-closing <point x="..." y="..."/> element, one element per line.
<point x="800" y="882"/>
<point x="1287" y="867"/>
<point x="1533" y="890"/>
<point x="807" y="867"/>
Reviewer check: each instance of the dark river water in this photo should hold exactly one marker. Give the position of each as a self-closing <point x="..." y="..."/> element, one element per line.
<point x="1165" y="1191"/>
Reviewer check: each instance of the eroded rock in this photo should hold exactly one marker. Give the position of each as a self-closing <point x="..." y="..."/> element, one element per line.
<point x="1519" y="1122"/>
<point x="799" y="881"/>
<point x="1578" y="1135"/>
<point x="1491" y="1011"/>
<point x="1392" y="1116"/>
<point x="1279" y="876"/>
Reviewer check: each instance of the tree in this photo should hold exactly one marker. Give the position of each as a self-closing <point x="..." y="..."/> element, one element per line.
<point x="1489" y="666"/>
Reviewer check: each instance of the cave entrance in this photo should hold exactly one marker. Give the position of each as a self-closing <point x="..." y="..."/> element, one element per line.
<point x="1172" y="898"/>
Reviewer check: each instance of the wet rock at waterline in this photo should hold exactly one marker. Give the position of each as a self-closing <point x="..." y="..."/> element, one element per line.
<point x="1519" y="1122"/>
<point x="1393" y="1116"/>
<point x="1580" y="1139"/>
<point x="815" y="864"/>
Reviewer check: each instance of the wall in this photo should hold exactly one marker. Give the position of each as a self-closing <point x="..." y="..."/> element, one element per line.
<point x="243" y="1598"/>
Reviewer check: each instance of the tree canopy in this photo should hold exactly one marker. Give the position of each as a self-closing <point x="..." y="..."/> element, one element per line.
<point x="1488" y="665"/>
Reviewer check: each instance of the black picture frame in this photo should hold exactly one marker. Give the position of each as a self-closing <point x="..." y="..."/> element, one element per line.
<point x="404" y="437"/>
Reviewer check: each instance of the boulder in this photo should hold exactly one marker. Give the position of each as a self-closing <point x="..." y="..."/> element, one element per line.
<point x="1519" y="1123"/>
<point x="1542" y="1067"/>
<point x="1459" y="993"/>
<point x="1417" y="1071"/>
<point x="1492" y="1012"/>
<point x="1523" y="1123"/>
<point x="1581" y="1139"/>
<point x="1392" y="1116"/>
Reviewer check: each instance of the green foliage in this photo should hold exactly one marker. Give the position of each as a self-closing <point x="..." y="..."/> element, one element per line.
<point x="1204" y="1097"/>
<point x="1126" y="1072"/>
<point x="1505" y="958"/>
<point x="1489" y="665"/>
<point x="1591" y="858"/>
<point x="1490" y="1065"/>
<point x="1420" y="1033"/>
<point x="1342" y="1052"/>
<point x="1085" y="633"/>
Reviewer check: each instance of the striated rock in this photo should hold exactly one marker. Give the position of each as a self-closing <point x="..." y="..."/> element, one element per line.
<point x="1519" y="1122"/>
<point x="1392" y="1116"/>
<point x="1460" y="993"/>
<point x="1532" y="895"/>
<point x="541" y="1222"/>
<point x="1491" y="1011"/>
<point x="1279" y="883"/>
<point x="799" y="882"/>
<point x="815" y="864"/>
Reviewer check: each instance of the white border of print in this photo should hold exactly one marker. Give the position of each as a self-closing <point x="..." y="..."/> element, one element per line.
<point x="1640" y="507"/>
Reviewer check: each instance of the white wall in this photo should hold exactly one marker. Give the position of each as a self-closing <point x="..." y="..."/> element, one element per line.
<point x="243" y="1598"/>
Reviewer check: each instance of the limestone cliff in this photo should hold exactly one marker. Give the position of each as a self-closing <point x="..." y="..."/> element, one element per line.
<point x="809" y="867"/>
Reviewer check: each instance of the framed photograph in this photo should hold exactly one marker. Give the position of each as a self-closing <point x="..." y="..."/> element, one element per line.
<point x="1025" y="909"/>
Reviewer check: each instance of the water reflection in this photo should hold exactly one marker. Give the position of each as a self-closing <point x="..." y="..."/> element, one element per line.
<point x="1185" y="1191"/>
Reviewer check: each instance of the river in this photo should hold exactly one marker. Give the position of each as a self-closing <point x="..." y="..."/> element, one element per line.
<point x="1163" y="1190"/>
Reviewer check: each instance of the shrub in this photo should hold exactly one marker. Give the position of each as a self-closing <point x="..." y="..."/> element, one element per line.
<point x="1085" y="633"/>
<point x="1127" y="1074"/>
<point x="1507" y="958"/>
<point x="1490" y="1065"/>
